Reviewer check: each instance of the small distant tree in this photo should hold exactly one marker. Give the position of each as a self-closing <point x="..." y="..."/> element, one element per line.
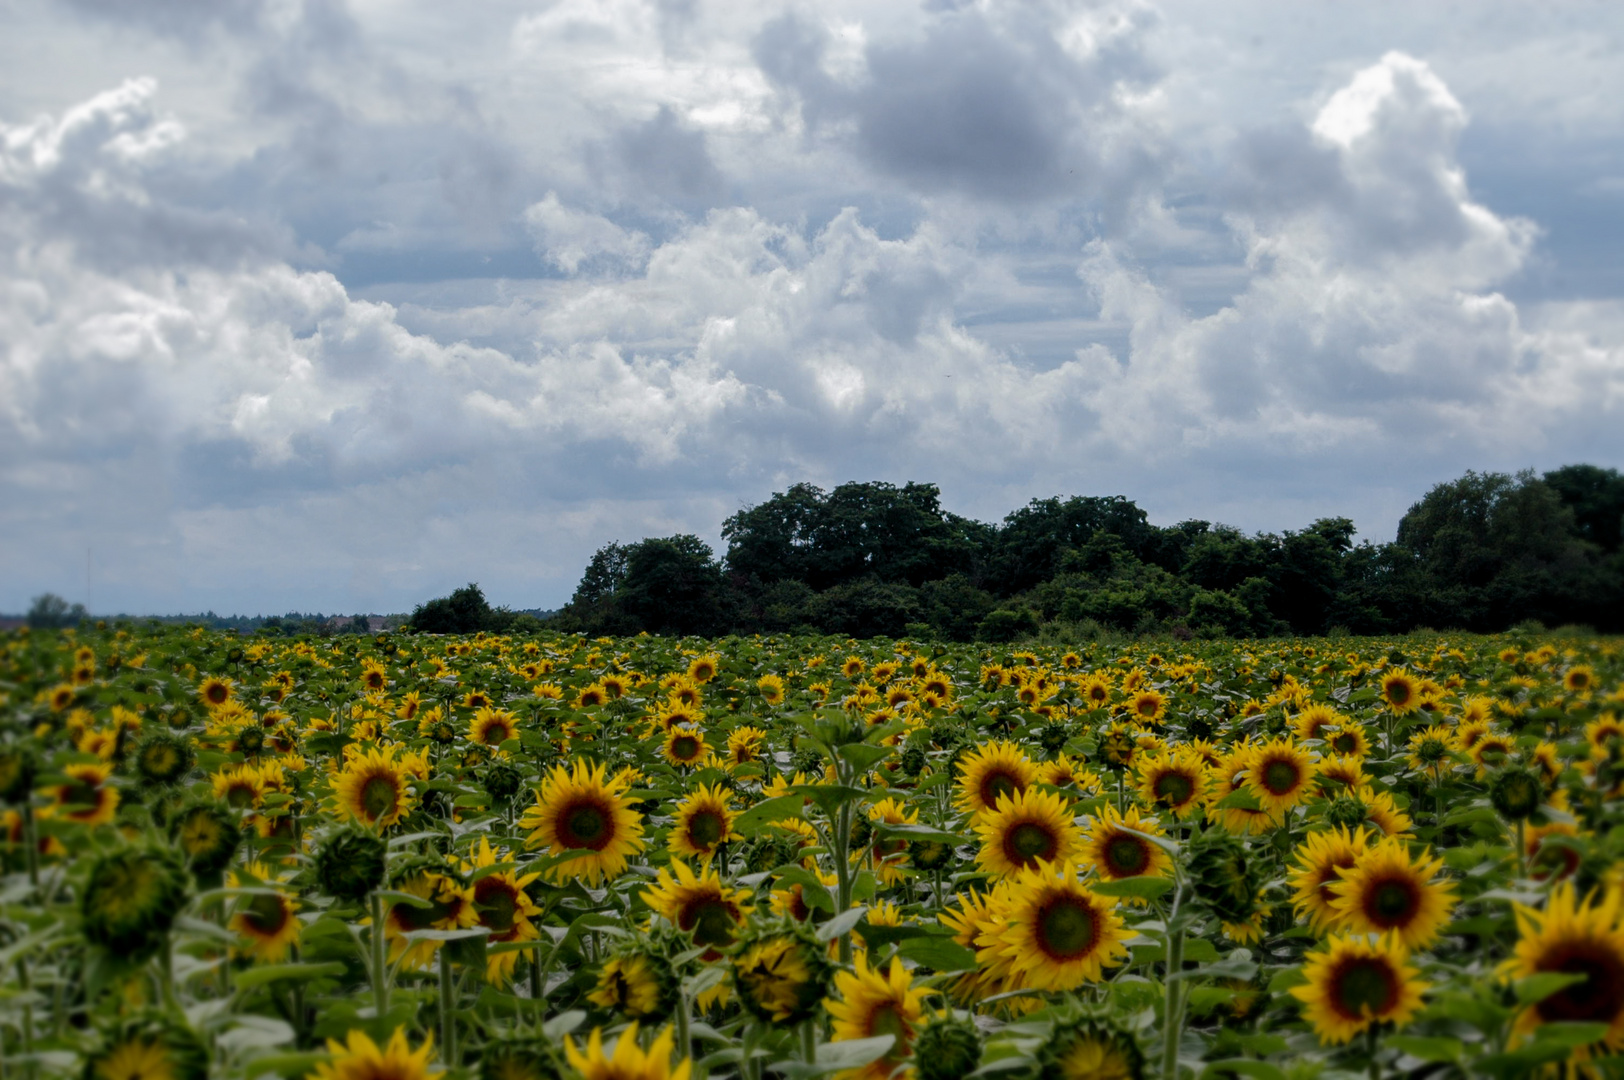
<point x="463" y="612"/>
<point x="50" y="612"/>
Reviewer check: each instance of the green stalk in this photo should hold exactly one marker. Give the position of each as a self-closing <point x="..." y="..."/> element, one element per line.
<point x="31" y="842"/>
<point x="1173" y="1004"/>
<point x="842" y="840"/>
<point x="809" y="1043"/>
<point x="685" y="1046"/>
<point x="1371" y="1045"/>
<point x="380" y="974"/>
<point x="1522" y="852"/>
<point x="448" y="1010"/>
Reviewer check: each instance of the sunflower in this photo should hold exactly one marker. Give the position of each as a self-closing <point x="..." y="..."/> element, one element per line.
<point x="976" y="923"/>
<point x="215" y="691"/>
<point x="637" y="983"/>
<point x="1055" y="931"/>
<point x="493" y="727"/>
<point x="1401" y="691"/>
<point x="1067" y="771"/>
<point x="853" y="667"/>
<point x="615" y="686"/>
<point x="450" y="907"/>
<point x="1317" y="721"/>
<point x="872" y="1004"/>
<point x="1579" y="679"/>
<point x="149" y="1049"/>
<point x="1490" y="752"/>
<point x="628" y="1062"/>
<point x="1348" y="740"/>
<point x="1116" y="850"/>
<point x="699" y="905"/>
<point x="685" y="747"/>
<point x="1089" y="1048"/>
<point x="1176" y="782"/>
<point x="703" y="822"/>
<point x="889" y="854"/>
<point x="1280" y="775"/>
<point x="1321" y="861"/>
<point x="781" y="972"/>
<point x="580" y="810"/>
<point x="991" y="770"/>
<point x="1032" y="825"/>
<point x="373" y="788"/>
<point x="265" y="917"/>
<point x="1431" y="748"/>
<point x="1574" y="938"/>
<point x="791" y="902"/>
<point x="591" y="696"/>
<point x="1356" y="982"/>
<point x="374" y="678"/>
<point x="239" y="786"/>
<point x="359" y="1058"/>
<point x="1546" y="860"/>
<point x="1388" y="890"/>
<point x="702" y="669"/>
<point x="744" y="745"/>
<point x="503" y="907"/>
<point x="1148" y="706"/>
<point x="86" y="799"/>
<point x="771" y="688"/>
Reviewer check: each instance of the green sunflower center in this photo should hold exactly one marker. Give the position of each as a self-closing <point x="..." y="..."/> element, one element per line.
<point x="685" y="747"/>
<point x="1281" y="777"/>
<point x="1365" y="984"/>
<point x="496" y="903"/>
<point x="705" y="829"/>
<point x="378" y="797"/>
<point x="1029" y="841"/>
<point x="586" y="826"/>
<point x="1392" y="902"/>
<point x="1126" y="856"/>
<point x="265" y="915"/>
<point x="1066" y="928"/>
<point x="1174" y="788"/>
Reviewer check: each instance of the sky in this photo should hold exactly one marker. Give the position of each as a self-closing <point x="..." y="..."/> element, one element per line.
<point x="339" y="304"/>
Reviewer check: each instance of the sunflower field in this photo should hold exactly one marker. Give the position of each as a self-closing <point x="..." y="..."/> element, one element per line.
<point x="548" y="856"/>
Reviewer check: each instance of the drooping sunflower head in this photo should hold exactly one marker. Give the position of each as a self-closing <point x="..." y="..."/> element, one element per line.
<point x="949" y="1047"/>
<point x="520" y="1057"/>
<point x="781" y="971"/>
<point x="1026" y="828"/>
<point x="1357" y="981"/>
<point x="992" y="770"/>
<point x="163" y="757"/>
<point x="1118" y="846"/>
<point x="132" y="897"/>
<point x="637" y="981"/>
<point x="579" y="809"/>
<point x="1090" y="1047"/>
<point x="703" y="822"/>
<point x="1516" y="792"/>
<point x="1580" y="938"/>
<point x="627" y="1061"/>
<point x="350" y="862"/>
<point x="1223" y="876"/>
<point x="1389" y="890"/>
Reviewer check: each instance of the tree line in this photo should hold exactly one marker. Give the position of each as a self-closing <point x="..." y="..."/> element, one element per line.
<point x="1484" y="552"/>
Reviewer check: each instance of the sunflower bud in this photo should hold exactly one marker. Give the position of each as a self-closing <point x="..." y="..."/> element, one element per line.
<point x="163" y="757"/>
<point x="1347" y="812"/>
<point x="1117" y="747"/>
<point x="502" y="782"/>
<point x="1223" y="878"/>
<point x="781" y="971"/>
<point x="1198" y="727"/>
<point x="1052" y="737"/>
<point x="149" y="1046"/>
<point x="949" y="1048"/>
<point x="17" y="769"/>
<point x="930" y="855"/>
<point x="208" y="833"/>
<point x="1515" y="792"/>
<point x="637" y="981"/>
<point x="131" y="899"/>
<point x="350" y="862"/>
<point x="1088" y="1045"/>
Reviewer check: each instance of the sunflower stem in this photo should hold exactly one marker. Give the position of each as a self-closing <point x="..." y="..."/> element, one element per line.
<point x="809" y="1043"/>
<point x="448" y="1011"/>
<point x="1371" y="1046"/>
<point x="685" y="1048"/>
<point x="1172" y="1009"/>
<point x="380" y="976"/>
<point x="1522" y="851"/>
<point x="31" y="843"/>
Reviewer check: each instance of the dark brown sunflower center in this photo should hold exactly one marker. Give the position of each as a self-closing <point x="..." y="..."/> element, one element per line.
<point x="996" y="784"/>
<point x="705" y="829"/>
<point x="1029" y="842"/>
<point x="496" y="903"/>
<point x="1599" y="998"/>
<point x="685" y="747"/>
<point x="1398" y="693"/>
<point x="497" y="733"/>
<point x="1126" y="856"/>
<point x="412" y="917"/>
<point x="1281" y="777"/>
<point x="378" y="797"/>
<point x="217" y="695"/>
<point x="1147" y="706"/>
<point x="1344" y="743"/>
<point x="81" y="795"/>
<point x="242" y="794"/>
<point x="1174" y="788"/>
<point x="265" y="915"/>
<point x="711" y="919"/>
<point x="585" y="825"/>
<point x="1365" y="986"/>
<point x="1066" y="928"/>
<point x="1392" y="902"/>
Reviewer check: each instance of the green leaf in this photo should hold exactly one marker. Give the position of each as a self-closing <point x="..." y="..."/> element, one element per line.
<point x="1141" y="888"/>
<point x="760" y="816"/>
<point x="877" y="937"/>
<point x="830" y="797"/>
<point x="1222" y="1070"/>
<point x="837" y="1056"/>
<point x="1536" y="988"/>
<point x="921" y="832"/>
<point x="1568" y="1034"/>
<point x="841" y="923"/>
<point x="813" y="891"/>
<point x="249" y="978"/>
<point x="1239" y="799"/>
<point x="938" y="953"/>
<point x="1428" y="1047"/>
<point x="1285" y="980"/>
<point x="864" y="755"/>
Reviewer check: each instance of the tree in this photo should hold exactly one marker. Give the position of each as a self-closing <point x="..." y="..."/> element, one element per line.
<point x="50" y="612"/>
<point x="1028" y="548"/>
<point x="465" y="611"/>
<point x="1596" y="497"/>
<point x="672" y="585"/>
